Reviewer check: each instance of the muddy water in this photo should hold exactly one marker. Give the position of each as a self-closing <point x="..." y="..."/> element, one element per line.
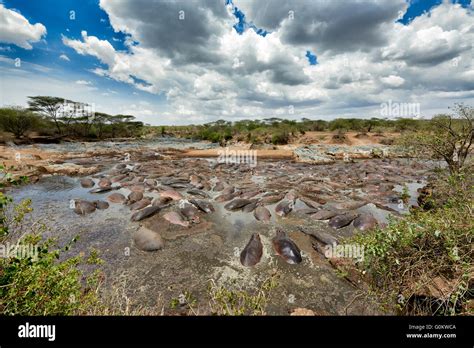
<point x="209" y="250"/>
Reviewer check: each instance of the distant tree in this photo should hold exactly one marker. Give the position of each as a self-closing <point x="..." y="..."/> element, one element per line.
<point x="50" y="107"/>
<point x="449" y="137"/>
<point x="17" y="120"/>
<point x="99" y="120"/>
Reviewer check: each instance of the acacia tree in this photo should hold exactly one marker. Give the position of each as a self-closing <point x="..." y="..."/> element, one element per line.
<point x="50" y="107"/>
<point x="448" y="137"/>
<point x="17" y="120"/>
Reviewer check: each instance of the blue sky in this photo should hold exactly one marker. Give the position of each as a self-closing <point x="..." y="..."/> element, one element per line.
<point x="109" y="90"/>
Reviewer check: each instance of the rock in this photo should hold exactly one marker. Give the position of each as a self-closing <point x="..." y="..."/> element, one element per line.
<point x="87" y="183"/>
<point x="69" y="169"/>
<point x="312" y="154"/>
<point x="147" y="240"/>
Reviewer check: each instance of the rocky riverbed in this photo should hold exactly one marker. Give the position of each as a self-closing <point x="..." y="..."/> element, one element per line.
<point x="166" y="224"/>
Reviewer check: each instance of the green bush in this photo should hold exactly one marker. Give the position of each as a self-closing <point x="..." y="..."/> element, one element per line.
<point x="17" y="120"/>
<point x="280" y="138"/>
<point x="36" y="281"/>
<point x="412" y="256"/>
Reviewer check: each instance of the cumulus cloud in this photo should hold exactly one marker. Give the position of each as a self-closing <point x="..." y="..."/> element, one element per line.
<point x="190" y="53"/>
<point x="17" y="30"/>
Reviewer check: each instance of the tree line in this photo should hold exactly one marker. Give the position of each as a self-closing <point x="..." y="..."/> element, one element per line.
<point x="60" y="117"/>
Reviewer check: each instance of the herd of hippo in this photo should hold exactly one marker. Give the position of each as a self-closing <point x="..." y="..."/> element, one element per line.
<point x="183" y="192"/>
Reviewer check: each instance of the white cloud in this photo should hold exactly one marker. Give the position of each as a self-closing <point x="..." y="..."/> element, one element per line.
<point x="64" y="57"/>
<point x="393" y="80"/>
<point x="84" y="82"/>
<point x="17" y="30"/>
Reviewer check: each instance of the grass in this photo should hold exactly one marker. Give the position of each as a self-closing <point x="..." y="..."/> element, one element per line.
<point x="423" y="264"/>
<point x="231" y="301"/>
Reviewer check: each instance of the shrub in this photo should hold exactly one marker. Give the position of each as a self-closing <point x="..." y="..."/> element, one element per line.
<point x="280" y="138"/>
<point x="413" y="260"/>
<point x="17" y="120"/>
<point x="37" y="282"/>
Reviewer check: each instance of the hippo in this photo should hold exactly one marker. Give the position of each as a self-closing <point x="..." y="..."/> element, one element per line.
<point x="103" y="189"/>
<point x="349" y="205"/>
<point x="145" y="213"/>
<point x="342" y="220"/>
<point x="134" y="197"/>
<point x="309" y="202"/>
<point x="286" y="248"/>
<point x="104" y="182"/>
<point x="140" y="204"/>
<point x="284" y="207"/>
<point x="199" y="193"/>
<point x="225" y="197"/>
<point x="101" y="204"/>
<point x="219" y="186"/>
<point x="365" y="222"/>
<point x="324" y="214"/>
<point x="188" y="210"/>
<point x="203" y="205"/>
<point x="271" y="199"/>
<point x="118" y="178"/>
<point x="307" y="211"/>
<point x="237" y="203"/>
<point x="116" y="198"/>
<point x="174" y="195"/>
<point x="252" y="252"/>
<point x="251" y="206"/>
<point x="87" y="183"/>
<point x="137" y="188"/>
<point x="176" y="219"/>
<point x="250" y="194"/>
<point x="228" y="190"/>
<point x="262" y="214"/>
<point x="291" y="195"/>
<point x="147" y="240"/>
<point x="195" y="181"/>
<point x="83" y="207"/>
